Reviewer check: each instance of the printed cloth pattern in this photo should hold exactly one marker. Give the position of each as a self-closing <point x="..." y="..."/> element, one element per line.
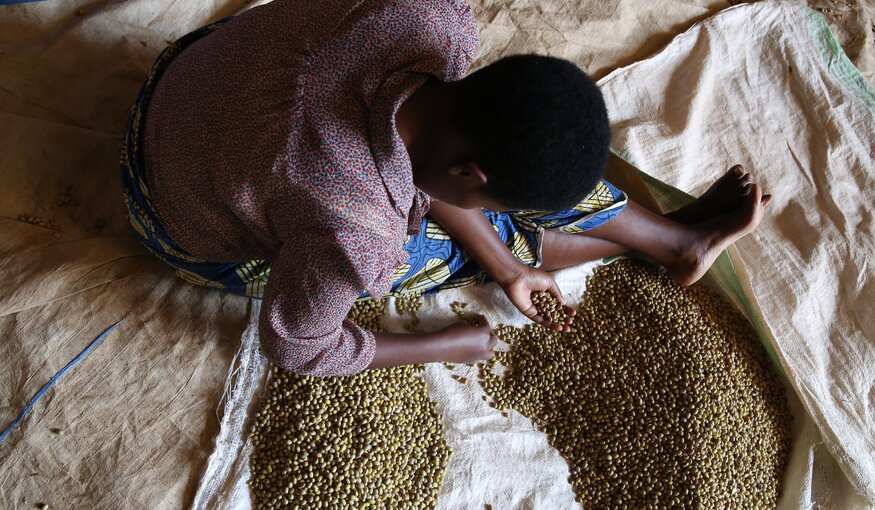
<point x="438" y="262"/>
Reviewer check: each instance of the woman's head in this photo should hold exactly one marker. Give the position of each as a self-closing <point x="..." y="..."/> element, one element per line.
<point x="526" y="132"/>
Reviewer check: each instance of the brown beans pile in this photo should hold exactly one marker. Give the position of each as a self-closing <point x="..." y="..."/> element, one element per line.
<point x="548" y="307"/>
<point x="660" y="397"/>
<point x="370" y="441"/>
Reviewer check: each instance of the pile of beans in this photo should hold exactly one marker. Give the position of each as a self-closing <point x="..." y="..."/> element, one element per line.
<point x="660" y="397"/>
<point x="373" y="440"/>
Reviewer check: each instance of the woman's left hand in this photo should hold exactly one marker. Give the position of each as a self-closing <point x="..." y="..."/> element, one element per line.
<point x="519" y="286"/>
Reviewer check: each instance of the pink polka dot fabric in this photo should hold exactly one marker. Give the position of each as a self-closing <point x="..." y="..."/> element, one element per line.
<point x="274" y="138"/>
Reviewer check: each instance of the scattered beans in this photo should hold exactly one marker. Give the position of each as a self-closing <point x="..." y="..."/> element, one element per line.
<point x="461" y="310"/>
<point x="408" y="303"/>
<point x="38" y="221"/>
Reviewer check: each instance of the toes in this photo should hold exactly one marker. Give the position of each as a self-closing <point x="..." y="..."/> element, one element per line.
<point x="766" y="199"/>
<point x="747" y="179"/>
<point x="751" y="194"/>
<point x="734" y="174"/>
<point x="756" y="192"/>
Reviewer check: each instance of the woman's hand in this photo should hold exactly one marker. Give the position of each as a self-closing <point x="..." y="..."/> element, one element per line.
<point x="519" y="286"/>
<point x="463" y="343"/>
<point x="474" y="232"/>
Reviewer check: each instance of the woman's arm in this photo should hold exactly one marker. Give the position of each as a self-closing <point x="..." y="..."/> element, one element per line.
<point x="474" y="232"/>
<point x="459" y="343"/>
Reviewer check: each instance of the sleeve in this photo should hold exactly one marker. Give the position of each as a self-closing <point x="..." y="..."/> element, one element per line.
<point x="303" y="326"/>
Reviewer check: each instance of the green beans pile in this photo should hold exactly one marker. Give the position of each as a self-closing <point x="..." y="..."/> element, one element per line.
<point x="548" y="307"/>
<point x="660" y="397"/>
<point x="372" y="440"/>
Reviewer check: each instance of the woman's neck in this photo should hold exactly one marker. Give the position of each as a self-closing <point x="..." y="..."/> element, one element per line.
<point x="420" y="113"/>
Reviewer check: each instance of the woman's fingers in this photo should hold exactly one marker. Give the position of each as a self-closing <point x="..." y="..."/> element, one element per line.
<point x="532" y="313"/>
<point x="540" y="319"/>
<point x="480" y="321"/>
<point x="569" y="312"/>
<point x="493" y="341"/>
<point x="554" y="291"/>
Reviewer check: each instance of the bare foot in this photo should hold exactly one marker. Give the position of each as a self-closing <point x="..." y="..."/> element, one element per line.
<point x="724" y="196"/>
<point x="709" y="238"/>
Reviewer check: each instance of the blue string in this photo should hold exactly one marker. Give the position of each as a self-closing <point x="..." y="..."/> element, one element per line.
<point x="54" y="379"/>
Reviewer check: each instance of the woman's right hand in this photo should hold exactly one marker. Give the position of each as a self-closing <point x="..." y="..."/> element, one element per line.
<point x="463" y="343"/>
<point x="519" y="286"/>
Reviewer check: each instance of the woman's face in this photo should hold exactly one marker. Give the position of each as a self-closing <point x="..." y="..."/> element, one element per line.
<point x="453" y="181"/>
<point x="444" y="168"/>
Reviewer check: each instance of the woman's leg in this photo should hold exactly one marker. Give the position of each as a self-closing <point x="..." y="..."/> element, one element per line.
<point x="565" y="250"/>
<point x="686" y="250"/>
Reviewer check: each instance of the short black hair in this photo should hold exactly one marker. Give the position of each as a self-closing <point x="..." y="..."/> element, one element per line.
<point x="539" y="128"/>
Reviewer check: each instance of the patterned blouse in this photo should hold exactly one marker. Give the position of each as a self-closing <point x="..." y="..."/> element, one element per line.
<point x="274" y="138"/>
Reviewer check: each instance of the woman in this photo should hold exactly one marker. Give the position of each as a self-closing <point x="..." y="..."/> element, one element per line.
<point x="336" y="147"/>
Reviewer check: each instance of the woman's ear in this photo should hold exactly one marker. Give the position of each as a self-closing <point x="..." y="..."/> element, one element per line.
<point x="469" y="175"/>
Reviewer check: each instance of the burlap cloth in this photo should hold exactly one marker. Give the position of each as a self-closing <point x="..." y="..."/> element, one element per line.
<point x="138" y="417"/>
